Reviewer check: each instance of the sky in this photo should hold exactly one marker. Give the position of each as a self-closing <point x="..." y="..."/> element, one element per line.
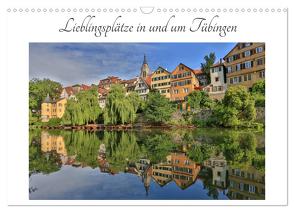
<point x="87" y="63"/>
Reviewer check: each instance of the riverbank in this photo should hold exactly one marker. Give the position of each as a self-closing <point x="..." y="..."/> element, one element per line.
<point x="102" y="127"/>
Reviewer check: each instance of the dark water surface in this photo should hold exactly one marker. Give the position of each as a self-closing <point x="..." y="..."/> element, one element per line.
<point x="151" y="164"/>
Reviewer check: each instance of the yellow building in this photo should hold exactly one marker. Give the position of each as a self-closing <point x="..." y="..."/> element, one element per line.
<point x="53" y="143"/>
<point x="245" y="64"/>
<point x="160" y="80"/>
<point x="52" y="108"/>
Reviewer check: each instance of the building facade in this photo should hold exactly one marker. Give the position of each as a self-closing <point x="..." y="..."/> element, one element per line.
<point x="160" y="80"/>
<point x="246" y="183"/>
<point x="107" y="82"/>
<point x="52" y="108"/>
<point x="245" y="64"/>
<point x="183" y="82"/>
<point x="143" y="87"/>
<point x="218" y="85"/>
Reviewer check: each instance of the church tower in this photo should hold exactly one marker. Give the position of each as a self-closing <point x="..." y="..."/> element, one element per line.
<point x="145" y="68"/>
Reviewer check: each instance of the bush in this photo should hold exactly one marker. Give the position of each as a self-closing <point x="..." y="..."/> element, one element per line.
<point x="53" y="122"/>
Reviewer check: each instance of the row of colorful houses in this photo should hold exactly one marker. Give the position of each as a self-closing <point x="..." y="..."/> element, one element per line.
<point x="243" y="65"/>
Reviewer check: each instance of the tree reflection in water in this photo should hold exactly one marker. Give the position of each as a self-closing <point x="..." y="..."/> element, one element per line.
<point x="227" y="162"/>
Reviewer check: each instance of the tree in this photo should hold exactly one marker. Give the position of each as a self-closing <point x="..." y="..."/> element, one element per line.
<point x="199" y="99"/>
<point x="258" y="92"/>
<point x="38" y="90"/>
<point x="136" y="101"/>
<point x="82" y="110"/>
<point x="158" y="108"/>
<point x="259" y="87"/>
<point x="119" y="109"/>
<point x="208" y="62"/>
<point x="237" y="107"/>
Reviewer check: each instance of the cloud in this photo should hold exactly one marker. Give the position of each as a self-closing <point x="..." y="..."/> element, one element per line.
<point x="86" y="63"/>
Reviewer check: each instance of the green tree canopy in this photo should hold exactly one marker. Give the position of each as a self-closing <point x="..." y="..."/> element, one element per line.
<point x="158" y="108"/>
<point x="199" y="99"/>
<point x="237" y="107"/>
<point x="259" y="87"/>
<point x="119" y="109"/>
<point x="84" y="109"/>
<point x="38" y="90"/>
<point x="208" y="62"/>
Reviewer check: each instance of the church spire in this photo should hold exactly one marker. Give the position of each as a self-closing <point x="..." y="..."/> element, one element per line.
<point x="145" y="59"/>
<point x="145" y="68"/>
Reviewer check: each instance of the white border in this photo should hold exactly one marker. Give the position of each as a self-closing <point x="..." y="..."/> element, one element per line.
<point x="275" y="60"/>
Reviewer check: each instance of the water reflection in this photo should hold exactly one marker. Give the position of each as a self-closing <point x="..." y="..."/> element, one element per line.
<point x="229" y="166"/>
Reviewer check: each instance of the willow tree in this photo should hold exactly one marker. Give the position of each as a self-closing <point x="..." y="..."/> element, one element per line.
<point x="119" y="109"/>
<point x="82" y="110"/>
<point x="90" y="108"/>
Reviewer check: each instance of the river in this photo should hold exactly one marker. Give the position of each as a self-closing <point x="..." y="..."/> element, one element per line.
<point x="183" y="164"/>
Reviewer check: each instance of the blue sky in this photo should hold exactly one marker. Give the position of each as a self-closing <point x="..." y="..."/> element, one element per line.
<point x="71" y="63"/>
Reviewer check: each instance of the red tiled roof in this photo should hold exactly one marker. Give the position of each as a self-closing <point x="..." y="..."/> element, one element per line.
<point x="197" y="71"/>
<point x="69" y="90"/>
<point x="85" y="87"/>
<point x="102" y="91"/>
<point x="148" y="80"/>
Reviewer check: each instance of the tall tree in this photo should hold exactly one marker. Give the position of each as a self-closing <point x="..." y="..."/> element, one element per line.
<point x="38" y="90"/>
<point x="208" y="62"/>
<point x="82" y="110"/>
<point x="118" y="109"/>
<point x="158" y="108"/>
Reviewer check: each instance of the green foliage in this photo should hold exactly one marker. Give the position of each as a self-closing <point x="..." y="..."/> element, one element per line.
<point x="201" y="152"/>
<point x="53" y="122"/>
<point x="208" y="62"/>
<point x="120" y="109"/>
<point x="158" y="108"/>
<point x="259" y="99"/>
<point x="33" y="119"/>
<point x="137" y="102"/>
<point x="199" y="99"/>
<point x="84" y="109"/>
<point x="38" y="90"/>
<point x="237" y="108"/>
<point x="259" y="87"/>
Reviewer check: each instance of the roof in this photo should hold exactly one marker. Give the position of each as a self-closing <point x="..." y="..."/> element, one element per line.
<point x="231" y="50"/>
<point x="47" y="99"/>
<point x="176" y="69"/>
<point x="103" y="91"/>
<point x="145" y="59"/>
<point x="85" y="87"/>
<point x="197" y="71"/>
<point x="69" y="90"/>
<point x="148" y="80"/>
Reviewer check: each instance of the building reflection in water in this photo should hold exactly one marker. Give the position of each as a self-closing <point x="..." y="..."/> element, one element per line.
<point x="237" y="183"/>
<point x="247" y="183"/>
<point x="241" y="183"/>
<point x="56" y="143"/>
<point x="219" y="168"/>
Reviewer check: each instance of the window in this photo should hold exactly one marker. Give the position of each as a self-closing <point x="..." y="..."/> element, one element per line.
<point x="216" y="79"/>
<point x="249" y="76"/>
<point x="236" y="80"/>
<point x="186" y="90"/>
<point x="248" y="64"/>
<point x="251" y="188"/>
<point x="259" y="49"/>
<point x="231" y="81"/>
<point x="245" y="77"/>
<point x="230" y="59"/>
<point x="219" y="174"/>
<point x="229" y="69"/>
<point x="261" y="74"/>
<point x="247" y="44"/>
<point x="238" y="67"/>
<point x="220" y="88"/>
<point x="246" y="53"/>
<point x="176" y="91"/>
<point x="260" y="61"/>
